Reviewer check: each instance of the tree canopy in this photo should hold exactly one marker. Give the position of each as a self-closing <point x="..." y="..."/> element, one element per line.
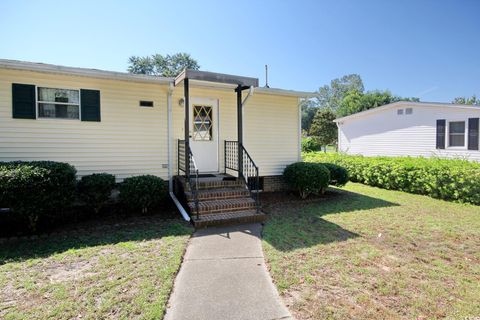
<point x="160" y="65"/>
<point x="355" y="101"/>
<point x="342" y="97"/>
<point x="473" y="100"/>
<point x="323" y="128"/>
<point x="330" y="96"/>
<point x="309" y="108"/>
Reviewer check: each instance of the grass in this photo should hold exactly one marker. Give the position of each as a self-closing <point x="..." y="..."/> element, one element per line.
<point x="368" y="253"/>
<point x="113" y="272"/>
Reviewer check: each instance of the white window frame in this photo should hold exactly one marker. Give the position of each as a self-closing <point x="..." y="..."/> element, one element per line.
<point x="465" y="134"/>
<point x="37" y="103"/>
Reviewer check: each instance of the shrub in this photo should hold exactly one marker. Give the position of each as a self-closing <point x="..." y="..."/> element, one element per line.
<point x="143" y="192"/>
<point x="310" y="144"/>
<point x="95" y="189"/>
<point x="338" y="174"/>
<point x="37" y="190"/>
<point x="448" y="179"/>
<point x="307" y="178"/>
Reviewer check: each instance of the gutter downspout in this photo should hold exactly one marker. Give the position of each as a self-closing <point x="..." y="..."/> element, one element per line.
<point x="170" y="155"/>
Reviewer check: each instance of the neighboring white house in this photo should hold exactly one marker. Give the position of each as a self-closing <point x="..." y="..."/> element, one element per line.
<point x="412" y="129"/>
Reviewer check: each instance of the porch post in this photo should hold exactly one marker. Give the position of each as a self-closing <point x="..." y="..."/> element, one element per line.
<point x="187" y="128"/>
<point x="240" y="130"/>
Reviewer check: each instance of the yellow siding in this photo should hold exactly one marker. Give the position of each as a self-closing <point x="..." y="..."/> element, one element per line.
<point x="270" y="133"/>
<point x="131" y="140"/>
<point x="128" y="141"/>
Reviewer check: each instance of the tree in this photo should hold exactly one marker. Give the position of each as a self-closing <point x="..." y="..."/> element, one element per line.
<point x="330" y="96"/>
<point x="159" y="65"/>
<point x="323" y="128"/>
<point x="309" y="108"/>
<point x="473" y="100"/>
<point x="356" y="101"/>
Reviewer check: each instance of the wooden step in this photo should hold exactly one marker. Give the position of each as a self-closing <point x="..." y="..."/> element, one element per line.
<point x="220" y="193"/>
<point x="229" y="218"/>
<point x="222" y="205"/>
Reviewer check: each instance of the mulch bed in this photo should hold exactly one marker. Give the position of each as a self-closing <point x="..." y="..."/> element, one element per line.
<point x="80" y="218"/>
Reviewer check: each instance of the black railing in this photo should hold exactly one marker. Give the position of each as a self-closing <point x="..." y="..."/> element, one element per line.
<point x="237" y="159"/>
<point x="192" y="177"/>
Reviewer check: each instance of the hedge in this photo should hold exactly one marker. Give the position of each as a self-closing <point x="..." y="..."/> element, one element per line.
<point x="307" y="178"/>
<point x="338" y="174"/>
<point x="95" y="189"/>
<point x="37" y="191"/>
<point x="310" y="144"/>
<point x="447" y="179"/>
<point x="143" y="192"/>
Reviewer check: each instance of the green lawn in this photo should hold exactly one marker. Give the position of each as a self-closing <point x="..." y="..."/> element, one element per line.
<point x="368" y="253"/>
<point x="113" y="272"/>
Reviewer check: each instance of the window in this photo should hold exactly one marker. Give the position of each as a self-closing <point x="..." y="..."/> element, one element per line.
<point x="58" y="103"/>
<point x="144" y="103"/>
<point x="456" y="134"/>
<point x="202" y="123"/>
<point x="399" y="111"/>
<point x="408" y="111"/>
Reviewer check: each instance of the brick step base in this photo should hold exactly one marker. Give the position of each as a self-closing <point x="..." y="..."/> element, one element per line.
<point x="229" y="218"/>
<point x="222" y="205"/>
<point x="216" y="184"/>
<point x="217" y="194"/>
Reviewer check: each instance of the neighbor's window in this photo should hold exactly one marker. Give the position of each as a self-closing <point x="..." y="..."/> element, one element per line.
<point x="58" y="103"/>
<point x="399" y="111"/>
<point x="456" y="134"/>
<point x="408" y="111"/>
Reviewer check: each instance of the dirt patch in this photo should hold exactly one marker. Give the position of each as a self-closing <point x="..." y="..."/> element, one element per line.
<point x="71" y="272"/>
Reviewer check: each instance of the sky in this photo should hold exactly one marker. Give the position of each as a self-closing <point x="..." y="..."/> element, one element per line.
<point x="421" y="48"/>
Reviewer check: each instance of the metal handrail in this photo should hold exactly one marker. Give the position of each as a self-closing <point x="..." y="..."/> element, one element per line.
<point x="235" y="157"/>
<point x="193" y="172"/>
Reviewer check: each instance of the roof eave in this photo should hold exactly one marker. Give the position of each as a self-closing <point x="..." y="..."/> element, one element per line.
<point x="300" y="94"/>
<point x="82" y="72"/>
<point x="406" y="103"/>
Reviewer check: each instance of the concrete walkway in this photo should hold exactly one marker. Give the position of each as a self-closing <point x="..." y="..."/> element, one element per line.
<point x="223" y="276"/>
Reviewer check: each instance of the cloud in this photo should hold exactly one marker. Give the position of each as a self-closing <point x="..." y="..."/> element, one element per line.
<point x="426" y="91"/>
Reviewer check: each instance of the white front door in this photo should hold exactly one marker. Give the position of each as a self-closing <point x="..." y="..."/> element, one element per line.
<point x="204" y="133"/>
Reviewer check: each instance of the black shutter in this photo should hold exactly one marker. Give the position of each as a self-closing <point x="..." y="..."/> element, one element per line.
<point x="441" y="134"/>
<point x="90" y="105"/>
<point x="473" y="134"/>
<point x="23" y="101"/>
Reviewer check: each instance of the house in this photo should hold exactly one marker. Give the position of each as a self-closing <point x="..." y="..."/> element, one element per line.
<point x="412" y="129"/>
<point x="124" y="124"/>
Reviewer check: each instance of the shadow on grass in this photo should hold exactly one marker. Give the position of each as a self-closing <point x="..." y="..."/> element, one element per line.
<point x="295" y="224"/>
<point x="137" y="229"/>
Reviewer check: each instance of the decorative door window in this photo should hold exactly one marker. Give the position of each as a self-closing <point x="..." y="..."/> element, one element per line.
<point x="202" y="123"/>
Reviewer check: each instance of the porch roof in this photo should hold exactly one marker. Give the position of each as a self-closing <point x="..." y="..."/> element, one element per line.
<point x="216" y="77"/>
